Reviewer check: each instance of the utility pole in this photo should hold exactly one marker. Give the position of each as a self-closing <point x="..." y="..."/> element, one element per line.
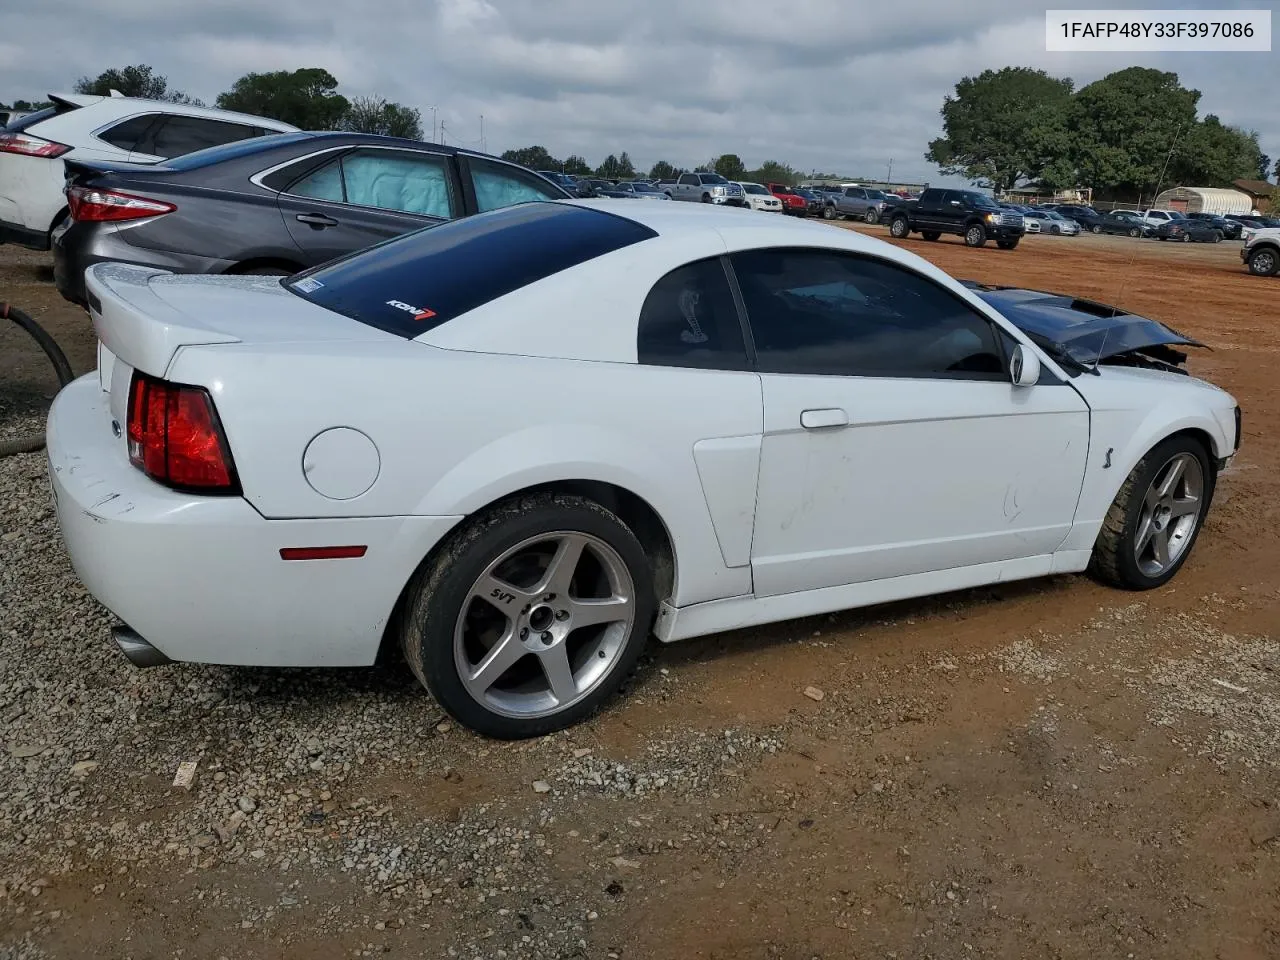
<point x="889" y="181"/>
<point x="442" y="131"/>
<point x="482" y="145"/>
<point x="433" y="109"/>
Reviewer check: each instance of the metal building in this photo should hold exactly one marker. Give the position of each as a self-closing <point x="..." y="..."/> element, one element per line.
<point x="1204" y="200"/>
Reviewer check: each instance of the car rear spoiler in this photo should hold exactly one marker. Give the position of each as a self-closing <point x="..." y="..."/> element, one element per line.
<point x="81" y="171"/>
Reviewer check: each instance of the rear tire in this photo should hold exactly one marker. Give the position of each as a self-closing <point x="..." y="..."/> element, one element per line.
<point x="900" y="227"/>
<point x="1135" y="232"/>
<point x="450" y="615"/>
<point x="1096" y="228"/>
<point x="872" y="215"/>
<point x="1142" y="510"/>
<point x="975" y="235"/>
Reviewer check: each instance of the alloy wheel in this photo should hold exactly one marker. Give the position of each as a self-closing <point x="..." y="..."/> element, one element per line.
<point x="544" y="624"/>
<point x="1170" y="514"/>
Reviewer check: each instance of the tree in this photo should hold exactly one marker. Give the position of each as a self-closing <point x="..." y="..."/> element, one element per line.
<point x="1003" y="126"/>
<point x="771" y="171"/>
<point x="535" y="158"/>
<point x="133" y="81"/>
<point x="1264" y="166"/>
<point x="616" y="168"/>
<point x="1276" y="172"/>
<point x="1212" y="155"/>
<point x="306" y="98"/>
<point x="664" y="171"/>
<point x="1125" y="125"/>
<point x="377" y="115"/>
<point x="575" y="165"/>
<point x="729" y="166"/>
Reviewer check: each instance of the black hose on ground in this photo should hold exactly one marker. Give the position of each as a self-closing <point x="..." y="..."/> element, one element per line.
<point x="62" y="368"/>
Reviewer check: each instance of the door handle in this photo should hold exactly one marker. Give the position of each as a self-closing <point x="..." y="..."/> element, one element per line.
<point x="829" y="417"/>
<point x="317" y="220"/>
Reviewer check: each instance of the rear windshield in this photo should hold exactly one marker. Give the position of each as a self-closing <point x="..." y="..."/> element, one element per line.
<point x="33" y="118"/>
<point x="413" y="283"/>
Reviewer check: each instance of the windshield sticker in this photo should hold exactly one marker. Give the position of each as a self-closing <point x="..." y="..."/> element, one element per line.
<point x="419" y="313"/>
<point x="308" y="285"/>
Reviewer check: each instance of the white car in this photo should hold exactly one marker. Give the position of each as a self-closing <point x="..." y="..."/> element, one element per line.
<point x="759" y="197"/>
<point x="1261" y="251"/>
<point x="115" y="128"/>
<point x="1156" y="218"/>
<point x="519" y="443"/>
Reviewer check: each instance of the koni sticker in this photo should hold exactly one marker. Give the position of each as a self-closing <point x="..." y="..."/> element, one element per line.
<point x="419" y="313"/>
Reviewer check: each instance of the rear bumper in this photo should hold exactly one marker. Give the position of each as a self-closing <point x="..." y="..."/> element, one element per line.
<point x="200" y="578"/>
<point x="78" y="246"/>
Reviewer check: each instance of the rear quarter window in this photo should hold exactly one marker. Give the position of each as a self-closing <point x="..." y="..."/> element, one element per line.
<point x="419" y="281"/>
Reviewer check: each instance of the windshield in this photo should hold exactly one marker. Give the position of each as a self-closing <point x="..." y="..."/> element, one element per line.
<point x="644" y="188"/>
<point x="711" y="178"/>
<point x="876" y="195"/>
<point x="982" y="200"/>
<point x="754" y="188"/>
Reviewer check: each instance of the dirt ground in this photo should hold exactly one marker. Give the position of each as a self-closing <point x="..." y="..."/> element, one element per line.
<point x="1041" y="769"/>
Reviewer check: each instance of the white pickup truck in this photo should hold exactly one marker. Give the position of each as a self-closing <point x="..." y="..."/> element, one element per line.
<point x="1261" y="251"/>
<point x="706" y="188"/>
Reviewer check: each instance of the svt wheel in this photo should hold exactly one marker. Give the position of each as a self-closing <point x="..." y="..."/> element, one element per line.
<point x="899" y="227"/>
<point x="975" y="235"/>
<point x="1153" y="523"/>
<point x="531" y="616"/>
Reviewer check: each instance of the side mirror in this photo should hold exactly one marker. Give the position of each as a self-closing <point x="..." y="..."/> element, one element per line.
<point x="1024" y="367"/>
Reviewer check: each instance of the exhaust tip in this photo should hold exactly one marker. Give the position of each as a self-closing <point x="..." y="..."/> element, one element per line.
<point x="138" y="651"/>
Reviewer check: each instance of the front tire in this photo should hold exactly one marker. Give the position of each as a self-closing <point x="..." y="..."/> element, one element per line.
<point x="1264" y="262"/>
<point x="530" y="616"/>
<point x="829" y="212"/>
<point x="899" y="227"/>
<point x="1096" y="228"/>
<point x="1152" y="525"/>
<point x="975" y="235"/>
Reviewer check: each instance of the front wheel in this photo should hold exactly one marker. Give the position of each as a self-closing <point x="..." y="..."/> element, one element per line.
<point x="900" y="227"/>
<point x="1153" y="523"/>
<point x="975" y="235"/>
<point x="1096" y="228"/>
<point x="829" y="212"/>
<point x="530" y="616"/>
<point x="1135" y="232"/>
<point x="1264" y="262"/>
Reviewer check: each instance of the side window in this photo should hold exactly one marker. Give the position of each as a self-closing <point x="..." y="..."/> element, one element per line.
<point x="829" y="312"/>
<point x="415" y="183"/>
<point x="689" y="319"/>
<point x="127" y="133"/>
<point x="324" y="183"/>
<point x="689" y="179"/>
<point x="499" y="185"/>
<point x="179" y="135"/>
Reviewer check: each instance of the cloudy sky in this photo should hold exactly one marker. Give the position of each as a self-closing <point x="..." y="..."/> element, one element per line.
<point x="826" y="84"/>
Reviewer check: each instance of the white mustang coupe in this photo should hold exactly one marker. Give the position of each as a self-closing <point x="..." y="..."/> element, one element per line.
<point x="519" y="444"/>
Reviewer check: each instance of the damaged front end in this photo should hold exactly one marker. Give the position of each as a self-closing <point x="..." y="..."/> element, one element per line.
<point x="1084" y="334"/>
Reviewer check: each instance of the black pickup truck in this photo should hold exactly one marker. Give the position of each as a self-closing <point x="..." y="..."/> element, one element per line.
<point x="965" y="213"/>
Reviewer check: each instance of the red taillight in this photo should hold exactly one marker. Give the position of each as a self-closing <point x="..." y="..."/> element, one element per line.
<point x="89" y="204"/>
<point x="29" y="146"/>
<point x="175" y="437"/>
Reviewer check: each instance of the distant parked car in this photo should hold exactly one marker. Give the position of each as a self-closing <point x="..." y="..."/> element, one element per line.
<point x="642" y="189"/>
<point x="1126" y="222"/>
<point x="1055" y="224"/>
<point x="859" y="203"/>
<point x="1185" y="229"/>
<point x="792" y="202"/>
<point x="1231" y="229"/>
<point x="274" y="205"/>
<point x="115" y="129"/>
<point x="1088" y="218"/>
<point x="704" y="187"/>
<point x="813" y="202"/>
<point x="759" y="198"/>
